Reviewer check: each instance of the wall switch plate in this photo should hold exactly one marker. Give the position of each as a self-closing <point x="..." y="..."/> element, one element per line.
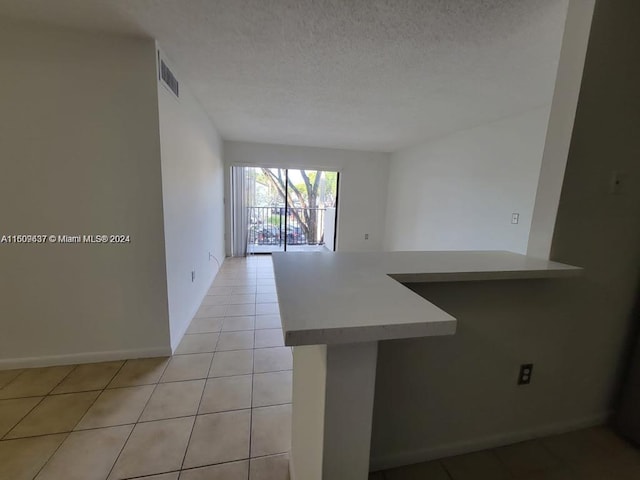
<point x="515" y="218"/>
<point x="366" y="236"/>
<point x="526" y="370"/>
<point x="193" y="276"/>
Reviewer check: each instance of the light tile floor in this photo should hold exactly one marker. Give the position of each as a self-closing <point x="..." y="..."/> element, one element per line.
<point x="219" y="409"/>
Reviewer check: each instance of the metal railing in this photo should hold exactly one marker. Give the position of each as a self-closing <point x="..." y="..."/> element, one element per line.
<point x="294" y="225"/>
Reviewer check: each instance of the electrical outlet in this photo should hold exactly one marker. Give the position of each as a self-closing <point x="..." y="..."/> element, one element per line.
<point x="526" y="370"/>
<point x="193" y="276"/>
<point x="366" y="236"/>
<point x="515" y="218"/>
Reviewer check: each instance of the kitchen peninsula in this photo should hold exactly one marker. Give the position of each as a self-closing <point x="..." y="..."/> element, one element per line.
<point x="335" y="308"/>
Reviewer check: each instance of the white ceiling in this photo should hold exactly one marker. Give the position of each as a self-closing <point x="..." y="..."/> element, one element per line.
<point x="359" y="74"/>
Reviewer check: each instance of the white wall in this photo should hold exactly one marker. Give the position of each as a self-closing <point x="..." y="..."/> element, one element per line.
<point x="193" y="190"/>
<point x="80" y="152"/>
<point x="363" y="184"/>
<point x="561" y="120"/>
<point x="458" y="192"/>
<point x="438" y="397"/>
<point x="458" y="394"/>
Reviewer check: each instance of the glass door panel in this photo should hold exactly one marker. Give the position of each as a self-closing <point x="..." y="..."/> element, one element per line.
<point x="311" y="201"/>
<point x="290" y="209"/>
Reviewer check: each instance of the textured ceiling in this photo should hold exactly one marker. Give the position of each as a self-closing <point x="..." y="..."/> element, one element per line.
<point x="361" y="74"/>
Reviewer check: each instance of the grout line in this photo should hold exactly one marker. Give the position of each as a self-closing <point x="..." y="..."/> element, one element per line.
<point x="198" y="408"/>
<point x="4" y="437"/>
<point x="253" y="368"/>
<point x="446" y="470"/>
<point x="80" y="419"/>
<point x="136" y="423"/>
<point x="50" y="394"/>
<point x="245" y="459"/>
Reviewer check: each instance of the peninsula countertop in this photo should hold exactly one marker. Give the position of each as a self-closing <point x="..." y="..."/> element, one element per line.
<point x="349" y="297"/>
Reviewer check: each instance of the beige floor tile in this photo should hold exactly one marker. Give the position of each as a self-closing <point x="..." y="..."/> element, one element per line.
<point x="22" y="459"/>
<point x="220" y="291"/>
<point x="205" y="325"/>
<point x="35" y="382"/>
<point x="197" y="343"/>
<point x="154" y="447"/>
<point x="239" y="282"/>
<point x="142" y="371"/>
<point x="262" y="289"/>
<point x="226" y="393"/>
<point x="13" y="410"/>
<point x="187" y="367"/>
<point x="243" y="290"/>
<point x="87" y="455"/>
<point x="605" y="470"/>
<point x="241" y="310"/>
<point x="90" y="376"/>
<point x="215" y="300"/>
<point x="243" y="298"/>
<point x="527" y="458"/>
<point x="162" y="476"/>
<point x="565" y="474"/>
<point x="268" y="321"/>
<point x="275" y="467"/>
<point x="272" y="359"/>
<point x="55" y="414"/>
<point x="8" y="375"/>
<point x="420" y="471"/>
<point x="235" y="341"/>
<point x="118" y="406"/>
<point x="235" y="324"/>
<point x="267" y="298"/>
<point x="176" y="399"/>
<point x="574" y="447"/>
<point x="271" y="337"/>
<point x="616" y="447"/>
<point x="270" y="430"/>
<point x="273" y="388"/>
<point x="236" y="362"/>
<point x="476" y="466"/>
<point x="267" y="309"/>
<point x="208" y="311"/>
<point x="226" y="471"/>
<point x="219" y="437"/>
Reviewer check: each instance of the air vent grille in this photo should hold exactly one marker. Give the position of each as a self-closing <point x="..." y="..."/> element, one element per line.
<point x="169" y="78"/>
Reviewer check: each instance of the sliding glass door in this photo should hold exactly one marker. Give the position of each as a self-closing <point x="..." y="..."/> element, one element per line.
<point x="287" y="209"/>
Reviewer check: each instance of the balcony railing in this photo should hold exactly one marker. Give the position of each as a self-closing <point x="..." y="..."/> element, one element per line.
<point x="295" y="226"/>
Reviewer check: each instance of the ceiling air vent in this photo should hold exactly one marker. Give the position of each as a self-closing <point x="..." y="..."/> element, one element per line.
<point x="168" y="78"/>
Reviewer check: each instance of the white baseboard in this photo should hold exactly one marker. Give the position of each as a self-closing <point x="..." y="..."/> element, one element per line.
<point x="467" y="446"/>
<point x="178" y="339"/>
<point x="86" y="357"/>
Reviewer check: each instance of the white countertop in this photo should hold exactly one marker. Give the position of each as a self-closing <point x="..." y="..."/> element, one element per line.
<point x="331" y="298"/>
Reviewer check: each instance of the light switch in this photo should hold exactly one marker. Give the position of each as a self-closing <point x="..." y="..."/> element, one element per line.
<point x="515" y="218"/>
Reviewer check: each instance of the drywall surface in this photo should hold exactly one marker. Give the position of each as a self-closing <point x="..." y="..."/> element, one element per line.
<point x="80" y="154"/>
<point x="556" y="150"/>
<point x="193" y="190"/>
<point x="444" y="396"/>
<point x="363" y="184"/>
<point x="441" y="396"/>
<point x="459" y="192"/>
<point x="597" y="226"/>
